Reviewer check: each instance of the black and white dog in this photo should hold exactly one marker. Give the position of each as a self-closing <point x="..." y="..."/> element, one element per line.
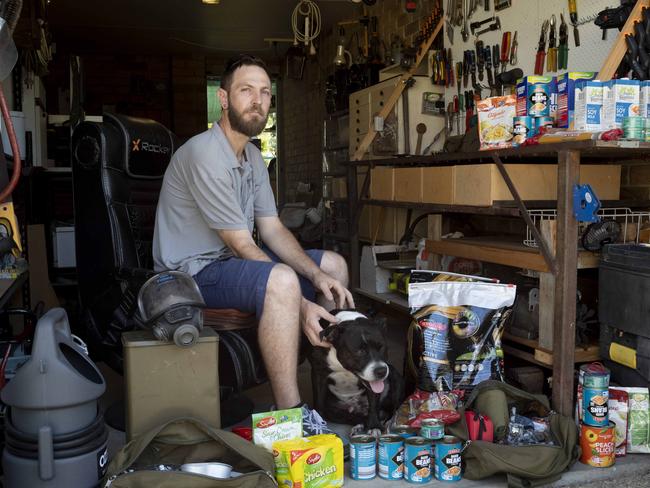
<point x="353" y="382"/>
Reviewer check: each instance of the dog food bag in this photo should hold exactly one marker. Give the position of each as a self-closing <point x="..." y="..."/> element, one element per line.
<point x="458" y="321"/>
<point x="617" y="406"/>
<point x="279" y="425"/>
<point x="310" y="462"/>
<point x="638" y="420"/>
<point x="495" y="121"/>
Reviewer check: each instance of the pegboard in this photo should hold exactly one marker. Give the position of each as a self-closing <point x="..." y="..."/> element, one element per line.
<point x="526" y="17"/>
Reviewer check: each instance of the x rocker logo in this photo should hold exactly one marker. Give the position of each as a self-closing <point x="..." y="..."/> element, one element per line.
<point x="136" y="145"/>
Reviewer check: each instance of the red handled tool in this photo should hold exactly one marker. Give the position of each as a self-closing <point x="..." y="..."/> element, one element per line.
<point x="541" y="50"/>
<point x="505" y="50"/>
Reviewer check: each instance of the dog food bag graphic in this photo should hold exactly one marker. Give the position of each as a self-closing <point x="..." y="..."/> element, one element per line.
<point x="310" y="462"/>
<point x="458" y="321"/>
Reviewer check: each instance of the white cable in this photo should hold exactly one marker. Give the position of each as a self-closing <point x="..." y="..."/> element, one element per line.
<point x="311" y="22"/>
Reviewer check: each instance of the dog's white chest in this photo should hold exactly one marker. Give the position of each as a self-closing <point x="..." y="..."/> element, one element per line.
<point x="344" y="385"/>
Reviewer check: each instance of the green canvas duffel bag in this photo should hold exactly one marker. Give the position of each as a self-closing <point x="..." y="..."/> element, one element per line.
<point x="188" y="440"/>
<point x="525" y="466"/>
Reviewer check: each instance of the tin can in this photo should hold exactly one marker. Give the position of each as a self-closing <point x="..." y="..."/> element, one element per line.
<point x="523" y="128"/>
<point x="598" y="445"/>
<point x="594" y="375"/>
<point x="363" y="457"/>
<point x="404" y="431"/>
<point x="544" y="121"/>
<point x="391" y="457"/>
<point x="594" y="406"/>
<point x="448" y="458"/>
<point x="633" y="122"/>
<point x="433" y="429"/>
<point x="417" y="459"/>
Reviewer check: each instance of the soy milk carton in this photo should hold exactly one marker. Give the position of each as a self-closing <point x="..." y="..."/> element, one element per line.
<point x="588" y="106"/>
<point x="621" y="98"/>
<point x="645" y="99"/>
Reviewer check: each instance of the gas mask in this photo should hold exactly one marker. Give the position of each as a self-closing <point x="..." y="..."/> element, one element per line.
<point x="171" y="304"/>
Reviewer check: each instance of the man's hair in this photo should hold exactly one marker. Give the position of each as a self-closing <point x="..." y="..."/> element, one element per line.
<point x="237" y="62"/>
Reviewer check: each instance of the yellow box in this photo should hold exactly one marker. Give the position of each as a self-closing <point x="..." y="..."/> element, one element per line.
<point x="482" y="184"/>
<point x="382" y="184"/>
<point x="408" y="184"/>
<point x="438" y="184"/>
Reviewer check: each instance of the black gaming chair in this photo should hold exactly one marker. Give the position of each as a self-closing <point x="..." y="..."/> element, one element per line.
<point x="117" y="169"/>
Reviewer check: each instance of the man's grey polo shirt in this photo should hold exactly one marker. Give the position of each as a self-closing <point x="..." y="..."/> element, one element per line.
<point x="206" y="188"/>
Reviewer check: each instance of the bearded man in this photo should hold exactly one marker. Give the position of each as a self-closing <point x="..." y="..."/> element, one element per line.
<point x="215" y="191"/>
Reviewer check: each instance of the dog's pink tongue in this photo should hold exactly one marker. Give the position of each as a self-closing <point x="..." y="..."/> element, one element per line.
<point x="377" y="386"/>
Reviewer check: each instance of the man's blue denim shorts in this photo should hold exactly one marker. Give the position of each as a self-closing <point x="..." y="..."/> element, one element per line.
<point x="241" y="283"/>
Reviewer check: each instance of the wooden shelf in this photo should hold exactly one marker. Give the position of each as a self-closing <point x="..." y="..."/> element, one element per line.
<point x="529" y="350"/>
<point x="508" y="253"/>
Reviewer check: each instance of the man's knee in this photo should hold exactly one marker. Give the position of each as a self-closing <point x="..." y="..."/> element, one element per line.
<point x="334" y="265"/>
<point x="283" y="281"/>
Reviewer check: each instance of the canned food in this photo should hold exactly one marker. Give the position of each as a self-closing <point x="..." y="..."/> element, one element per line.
<point x="363" y="454"/>
<point x="594" y="406"/>
<point x="523" y="128"/>
<point x="448" y="458"/>
<point x="598" y="445"/>
<point x="433" y="429"/>
<point x="391" y="457"/>
<point x="633" y="122"/>
<point x="417" y="459"/>
<point x="404" y="431"/>
<point x="545" y="121"/>
<point x="594" y="375"/>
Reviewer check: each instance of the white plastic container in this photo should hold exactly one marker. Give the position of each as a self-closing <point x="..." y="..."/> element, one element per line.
<point x="18" y="121"/>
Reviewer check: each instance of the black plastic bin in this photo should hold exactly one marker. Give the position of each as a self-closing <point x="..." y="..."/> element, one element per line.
<point x="624" y="288"/>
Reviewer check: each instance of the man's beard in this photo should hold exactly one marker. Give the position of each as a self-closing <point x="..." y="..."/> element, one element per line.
<point x="249" y="128"/>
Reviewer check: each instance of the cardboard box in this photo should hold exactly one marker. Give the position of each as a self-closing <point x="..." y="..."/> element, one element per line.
<point x="588" y="115"/>
<point x="645" y="98"/>
<point x="438" y="184"/>
<point x="373" y="277"/>
<point x="408" y="184"/>
<point x="382" y="183"/>
<point x="566" y="87"/>
<point x="481" y="185"/>
<point x="365" y="223"/>
<point x="339" y="188"/>
<point x="621" y="98"/>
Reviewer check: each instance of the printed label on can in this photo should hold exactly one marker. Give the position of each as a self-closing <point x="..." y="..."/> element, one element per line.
<point x="448" y="459"/>
<point x="363" y="454"/>
<point x="417" y="462"/>
<point x="595" y="409"/>
<point x="432" y="429"/>
<point x="391" y="457"/>
<point x="597" y="445"/>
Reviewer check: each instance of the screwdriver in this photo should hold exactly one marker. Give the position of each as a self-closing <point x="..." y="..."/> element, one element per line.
<point x="573" y="15"/>
<point x="459" y="75"/>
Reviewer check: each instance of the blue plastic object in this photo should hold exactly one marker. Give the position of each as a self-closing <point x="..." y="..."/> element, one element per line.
<point x="585" y="204"/>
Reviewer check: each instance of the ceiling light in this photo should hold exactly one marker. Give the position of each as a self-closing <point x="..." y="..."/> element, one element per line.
<point x="211" y="2"/>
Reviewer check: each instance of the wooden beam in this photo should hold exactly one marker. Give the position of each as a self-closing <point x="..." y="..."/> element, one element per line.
<point x="566" y="251"/>
<point x="434" y="233"/>
<point x="547" y="290"/>
<point x="397" y="92"/>
<point x="615" y="56"/>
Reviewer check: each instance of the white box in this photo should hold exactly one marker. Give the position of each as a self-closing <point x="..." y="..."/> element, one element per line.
<point x="645" y="98"/>
<point x="374" y="277"/>
<point x="63" y="247"/>
<point x="621" y="98"/>
<point x="588" y="106"/>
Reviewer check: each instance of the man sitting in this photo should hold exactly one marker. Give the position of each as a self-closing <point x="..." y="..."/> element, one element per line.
<point x="215" y="190"/>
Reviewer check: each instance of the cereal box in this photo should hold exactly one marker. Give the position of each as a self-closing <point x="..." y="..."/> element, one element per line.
<point x="278" y="425"/>
<point x="566" y="88"/>
<point x="621" y="98"/>
<point x="495" y="121"/>
<point x="588" y="114"/>
<point x="537" y="96"/>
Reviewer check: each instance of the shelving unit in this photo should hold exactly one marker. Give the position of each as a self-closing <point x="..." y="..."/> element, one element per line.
<point x="558" y="262"/>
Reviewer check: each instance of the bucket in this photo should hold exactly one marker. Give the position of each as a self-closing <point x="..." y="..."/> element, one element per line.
<point x="18" y="121"/>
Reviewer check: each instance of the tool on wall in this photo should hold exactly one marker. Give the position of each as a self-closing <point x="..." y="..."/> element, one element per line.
<point x="488" y="66"/>
<point x="465" y="31"/>
<point x="513" y="50"/>
<point x="501" y="4"/>
<point x="551" y="59"/>
<point x="573" y="15"/>
<point x="480" y="58"/>
<point x="614" y="18"/>
<point x="505" y="50"/>
<point x="475" y="25"/>
<point x="541" y="50"/>
<point x="492" y="27"/>
<point x="563" y="50"/>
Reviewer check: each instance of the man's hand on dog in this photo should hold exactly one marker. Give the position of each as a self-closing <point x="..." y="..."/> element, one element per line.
<point x="310" y="315"/>
<point x="330" y="287"/>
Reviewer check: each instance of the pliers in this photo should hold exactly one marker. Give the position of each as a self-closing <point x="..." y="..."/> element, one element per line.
<point x="513" y="50"/>
<point x="551" y="60"/>
<point x="541" y="50"/>
<point x="563" y="59"/>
